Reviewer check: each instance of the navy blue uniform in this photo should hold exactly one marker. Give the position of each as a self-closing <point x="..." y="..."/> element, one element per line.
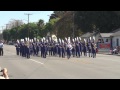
<point x="23" y="50"/>
<point x="93" y="51"/>
<point x="63" y="51"/>
<point x="77" y="50"/>
<point x="42" y="51"/>
<point x="34" y="49"/>
<point x="85" y="50"/>
<point x="59" y="50"/>
<point x="73" y="51"/>
<point x="17" y="49"/>
<point x="68" y="53"/>
<point x="80" y="46"/>
<point x="37" y="49"/>
<point x="89" y="49"/>
<point x="27" y="52"/>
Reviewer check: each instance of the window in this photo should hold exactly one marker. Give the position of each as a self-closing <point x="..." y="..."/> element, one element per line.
<point x="99" y="40"/>
<point x="106" y="40"/>
<point x="102" y="41"/>
<point x="117" y="42"/>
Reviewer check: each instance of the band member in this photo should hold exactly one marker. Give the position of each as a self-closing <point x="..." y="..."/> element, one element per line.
<point x="84" y="49"/>
<point x="59" y="50"/>
<point x="42" y="51"/>
<point x="89" y="48"/>
<point x="1" y="48"/>
<point x="63" y="51"/>
<point x="37" y="49"/>
<point x="69" y="48"/>
<point x="73" y="50"/>
<point x="27" y="50"/>
<point x="77" y="49"/>
<point x="20" y="49"/>
<point x="17" y="45"/>
<point x="93" y="50"/>
<point x="34" y="49"/>
<point x="80" y="46"/>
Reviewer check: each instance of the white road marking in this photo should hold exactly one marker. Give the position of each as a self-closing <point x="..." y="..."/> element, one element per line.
<point x="29" y="59"/>
<point x="36" y="61"/>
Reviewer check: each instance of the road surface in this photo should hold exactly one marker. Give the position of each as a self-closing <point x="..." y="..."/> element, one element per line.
<point x="102" y="67"/>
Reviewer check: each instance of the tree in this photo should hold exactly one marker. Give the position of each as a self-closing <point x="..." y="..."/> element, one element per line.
<point x="6" y="35"/>
<point x="59" y="14"/>
<point x="40" y="23"/>
<point x="105" y="21"/>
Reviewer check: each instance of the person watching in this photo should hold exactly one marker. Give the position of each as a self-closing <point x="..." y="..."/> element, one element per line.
<point x="1" y="48"/>
<point x="4" y="74"/>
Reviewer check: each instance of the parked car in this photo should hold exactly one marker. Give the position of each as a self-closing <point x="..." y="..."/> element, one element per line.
<point x="10" y="43"/>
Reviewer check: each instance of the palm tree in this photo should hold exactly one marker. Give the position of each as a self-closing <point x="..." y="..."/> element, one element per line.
<point x="40" y="23"/>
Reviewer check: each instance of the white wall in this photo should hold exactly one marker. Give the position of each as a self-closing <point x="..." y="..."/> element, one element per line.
<point x="114" y="41"/>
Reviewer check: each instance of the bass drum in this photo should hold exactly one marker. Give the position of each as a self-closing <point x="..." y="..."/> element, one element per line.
<point x="54" y="38"/>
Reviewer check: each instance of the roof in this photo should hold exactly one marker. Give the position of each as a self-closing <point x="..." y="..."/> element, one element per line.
<point x="116" y="34"/>
<point x="88" y="34"/>
<point x="116" y="30"/>
<point x="106" y="34"/>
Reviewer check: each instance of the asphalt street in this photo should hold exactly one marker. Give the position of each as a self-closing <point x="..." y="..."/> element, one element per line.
<point x="101" y="67"/>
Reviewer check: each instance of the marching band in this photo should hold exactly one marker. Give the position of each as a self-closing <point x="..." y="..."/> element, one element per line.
<point x="55" y="47"/>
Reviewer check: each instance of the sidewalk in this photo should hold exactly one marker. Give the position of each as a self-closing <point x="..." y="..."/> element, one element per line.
<point x="108" y="53"/>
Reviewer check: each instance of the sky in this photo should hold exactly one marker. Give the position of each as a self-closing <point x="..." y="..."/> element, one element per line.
<point x="6" y="16"/>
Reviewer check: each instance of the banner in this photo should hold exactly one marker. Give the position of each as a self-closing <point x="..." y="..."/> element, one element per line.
<point x="103" y="47"/>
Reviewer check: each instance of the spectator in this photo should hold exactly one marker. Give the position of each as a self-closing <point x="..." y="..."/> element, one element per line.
<point x="115" y="51"/>
<point x="4" y="74"/>
<point x="1" y="48"/>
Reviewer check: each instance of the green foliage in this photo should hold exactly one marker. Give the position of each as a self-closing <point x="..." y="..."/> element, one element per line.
<point x="6" y="35"/>
<point x="49" y="26"/>
<point x="105" y="21"/>
<point x="86" y="21"/>
<point x="59" y="14"/>
<point x="40" y="23"/>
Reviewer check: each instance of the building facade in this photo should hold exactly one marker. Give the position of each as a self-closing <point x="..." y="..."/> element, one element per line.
<point x="116" y="39"/>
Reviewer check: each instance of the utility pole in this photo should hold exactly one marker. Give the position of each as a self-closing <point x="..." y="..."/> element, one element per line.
<point x="6" y="29"/>
<point x="17" y="28"/>
<point x="28" y="22"/>
<point x="2" y="31"/>
<point x="73" y="23"/>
